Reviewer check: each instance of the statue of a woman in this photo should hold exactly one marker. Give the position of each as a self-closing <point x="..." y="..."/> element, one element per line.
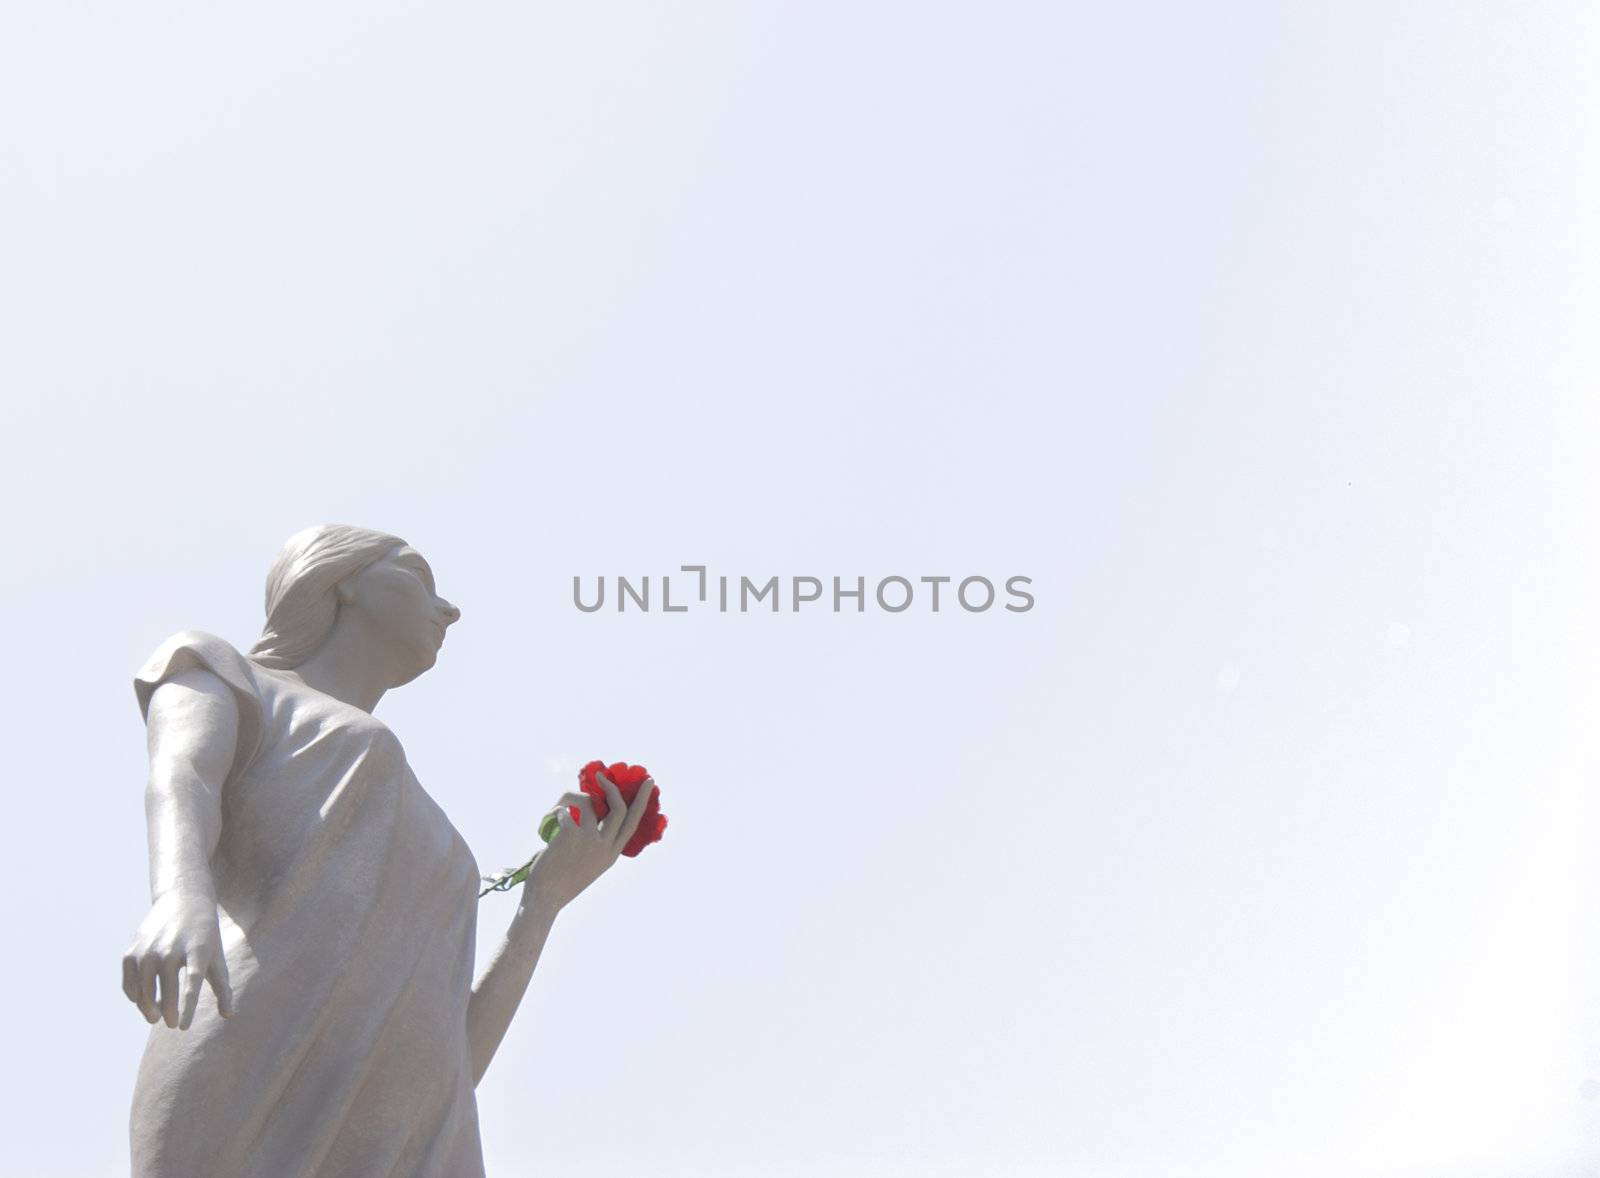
<point x="319" y="904"/>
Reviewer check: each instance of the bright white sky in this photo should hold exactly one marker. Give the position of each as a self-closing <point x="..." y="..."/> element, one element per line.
<point x="1261" y="336"/>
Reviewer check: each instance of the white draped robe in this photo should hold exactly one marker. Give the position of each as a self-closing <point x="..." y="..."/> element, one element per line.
<point x="348" y="907"/>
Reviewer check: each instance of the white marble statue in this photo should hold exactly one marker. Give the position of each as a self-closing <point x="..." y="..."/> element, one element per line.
<point x="308" y="953"/>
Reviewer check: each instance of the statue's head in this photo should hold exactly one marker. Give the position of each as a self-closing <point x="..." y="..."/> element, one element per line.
<point x="367" y="580"/>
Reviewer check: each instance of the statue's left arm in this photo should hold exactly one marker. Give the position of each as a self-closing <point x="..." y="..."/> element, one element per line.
<point x="577" y="856"/>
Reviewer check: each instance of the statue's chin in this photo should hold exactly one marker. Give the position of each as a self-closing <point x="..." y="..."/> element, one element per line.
<point x="423" y="661"/>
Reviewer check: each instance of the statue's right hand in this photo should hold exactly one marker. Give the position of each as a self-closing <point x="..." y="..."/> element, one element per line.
<point x="180" y="930"/>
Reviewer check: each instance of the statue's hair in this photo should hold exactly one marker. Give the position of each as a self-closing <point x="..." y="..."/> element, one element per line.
<point x="301" y="603"/>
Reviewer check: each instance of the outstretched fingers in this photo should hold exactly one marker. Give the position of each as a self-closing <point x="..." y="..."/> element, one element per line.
<point x="641" y="803"/>
<point x="169" y="989"/>
<point x="148" y="964"/>
<point x="223" y="988"/>
<point x="136" y="987"/>
<point x="194" y="979"/>
<point x="618" y="809"/>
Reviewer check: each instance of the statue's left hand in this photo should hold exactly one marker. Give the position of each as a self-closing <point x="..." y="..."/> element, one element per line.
<point x="581" y="852"/>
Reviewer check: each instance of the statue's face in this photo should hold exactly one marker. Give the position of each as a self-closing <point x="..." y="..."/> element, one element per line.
<point x="396" y="596"/>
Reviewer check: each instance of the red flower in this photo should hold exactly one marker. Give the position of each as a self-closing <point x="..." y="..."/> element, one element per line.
<point x="627" y="778"/>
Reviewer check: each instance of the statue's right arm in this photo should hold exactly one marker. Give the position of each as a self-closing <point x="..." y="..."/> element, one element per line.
<point x="193" y="728"/>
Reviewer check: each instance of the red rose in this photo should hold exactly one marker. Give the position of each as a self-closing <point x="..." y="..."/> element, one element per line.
<point x="628" y="779"/>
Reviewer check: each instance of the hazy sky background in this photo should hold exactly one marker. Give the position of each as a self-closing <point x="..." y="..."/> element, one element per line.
<point x="1261" y="336"/>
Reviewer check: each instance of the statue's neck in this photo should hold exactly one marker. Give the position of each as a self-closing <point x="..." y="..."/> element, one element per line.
<point x="349" y="667"/>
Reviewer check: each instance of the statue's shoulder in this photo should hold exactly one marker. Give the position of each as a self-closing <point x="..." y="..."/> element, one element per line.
<point x="189" y="650"/>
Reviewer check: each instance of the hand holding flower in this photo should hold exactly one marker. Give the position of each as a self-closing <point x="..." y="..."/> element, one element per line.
<point x="583" y="848"/>
<point x="592" y="807"/>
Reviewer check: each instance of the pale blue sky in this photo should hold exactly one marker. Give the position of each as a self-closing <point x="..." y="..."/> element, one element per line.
<point x="1261" y="336"/>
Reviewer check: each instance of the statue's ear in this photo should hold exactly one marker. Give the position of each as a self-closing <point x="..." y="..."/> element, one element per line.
<point x="344" y="592"/>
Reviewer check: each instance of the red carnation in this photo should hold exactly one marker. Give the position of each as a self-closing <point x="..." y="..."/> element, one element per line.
<point x="628" y="779"/>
